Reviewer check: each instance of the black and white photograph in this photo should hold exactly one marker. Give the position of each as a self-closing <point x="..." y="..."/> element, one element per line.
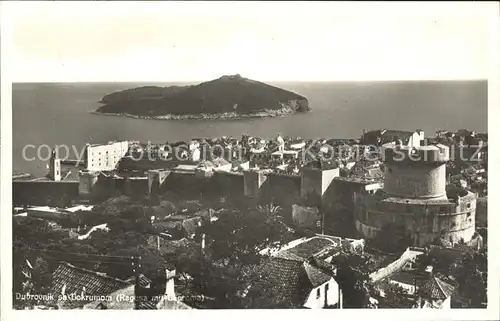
<point x="249" y="155"/>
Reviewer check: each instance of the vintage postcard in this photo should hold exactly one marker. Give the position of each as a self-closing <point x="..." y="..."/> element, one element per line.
<point x="249" y="156"/>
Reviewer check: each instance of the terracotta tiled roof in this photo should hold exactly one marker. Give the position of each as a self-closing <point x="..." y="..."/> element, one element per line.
<point x="291" y="274"/>
<point x="315" y="275"/>
<point x="307" y="249"/>
<point x="436" y="289"/>
<point x="143" y="280"/>
<point x="288" y="282"/>
<point x="75" y="279"/>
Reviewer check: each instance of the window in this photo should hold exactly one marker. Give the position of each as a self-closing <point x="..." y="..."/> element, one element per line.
<point x="468" y="215"/>
<point x="326" y="288"/>
<point x="318" y="293"/>
<point x="468" y="206"/>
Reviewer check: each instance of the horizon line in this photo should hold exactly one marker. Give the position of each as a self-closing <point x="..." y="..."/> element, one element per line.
<point x="278" y="80"/>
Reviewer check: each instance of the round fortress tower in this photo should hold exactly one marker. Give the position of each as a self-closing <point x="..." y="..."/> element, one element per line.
<point x="415" y="172"/>
<point x="414" y="197"/>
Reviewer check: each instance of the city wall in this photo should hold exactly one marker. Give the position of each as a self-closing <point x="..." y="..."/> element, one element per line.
<point x="340" y="193"/>
<point x="136" y="187"/>
<point x="44" y="193"/>
<point x="281" y="189"/>
<point x="424" y="221"/>
<point x="227" y="183"/>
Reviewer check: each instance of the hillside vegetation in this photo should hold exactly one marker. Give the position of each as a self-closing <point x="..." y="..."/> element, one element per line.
<point x="227" y="94"/>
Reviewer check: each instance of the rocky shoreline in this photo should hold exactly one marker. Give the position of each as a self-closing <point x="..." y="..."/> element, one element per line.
<point x="219" y="116"/>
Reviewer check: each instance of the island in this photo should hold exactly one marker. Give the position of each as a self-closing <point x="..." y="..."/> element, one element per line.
<point x="227" y="97"/>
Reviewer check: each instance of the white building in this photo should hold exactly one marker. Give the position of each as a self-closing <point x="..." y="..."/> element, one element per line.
<point x="105" y="157"/>
<point x="300" y="275"/>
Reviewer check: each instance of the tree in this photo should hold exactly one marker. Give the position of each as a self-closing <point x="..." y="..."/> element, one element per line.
<point x="232" y="254"/>
<point x="395" y="297"/>
<point x="238" y="236"/>
<point x="471" y="274"/>
<point x="430" y="259"/>
<point x="353" y="268"/>
<point x="153" y="264"/>
<point x="31" y="272"/>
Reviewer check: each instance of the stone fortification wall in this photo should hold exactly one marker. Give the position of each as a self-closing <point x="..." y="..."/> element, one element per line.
<point x="44" y="193"/>
<point x="425" y="221"/>
<point x="282" y="188"/>
<point x="417" y="181"/>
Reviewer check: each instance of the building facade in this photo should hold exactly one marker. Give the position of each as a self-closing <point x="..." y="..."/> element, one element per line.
<point x="55" y="166"/>
<point x="384" y="136"/>
<point x="325" y="295"/>
<point x="414" y="197"/>
<point x="105" y="157"/>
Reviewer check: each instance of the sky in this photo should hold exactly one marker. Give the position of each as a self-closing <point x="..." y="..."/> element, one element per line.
<point x="296" y="41"/>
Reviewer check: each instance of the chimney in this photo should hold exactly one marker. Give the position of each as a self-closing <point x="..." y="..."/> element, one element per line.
<point x="170" y="285"/>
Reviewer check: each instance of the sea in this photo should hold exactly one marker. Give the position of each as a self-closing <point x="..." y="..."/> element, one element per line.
<point x="49" y="114"/>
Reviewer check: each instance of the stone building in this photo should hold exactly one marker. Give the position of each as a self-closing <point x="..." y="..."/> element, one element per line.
<point x="104" y="157"/>
<point x="414" y="197"/>
<point x="55" y="166"/>
<point x="383" y="136"/>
